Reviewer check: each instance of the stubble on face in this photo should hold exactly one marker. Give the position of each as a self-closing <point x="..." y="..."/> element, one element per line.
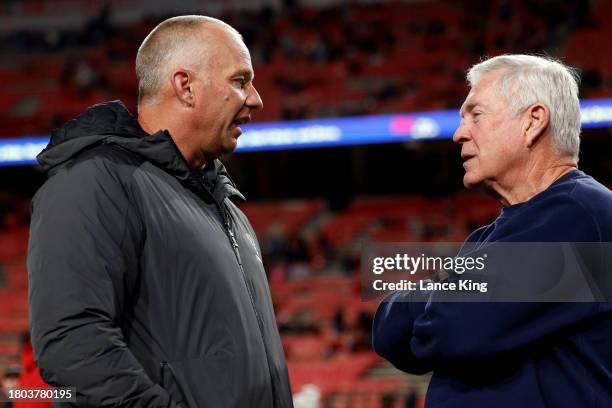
<point x="221" y="108"/>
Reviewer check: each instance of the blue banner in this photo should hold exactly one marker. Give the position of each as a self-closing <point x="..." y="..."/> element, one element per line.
<point x="315" y="133"/>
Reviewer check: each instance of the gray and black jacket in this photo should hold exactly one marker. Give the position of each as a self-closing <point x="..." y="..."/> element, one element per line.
<point x="146" y="282"/>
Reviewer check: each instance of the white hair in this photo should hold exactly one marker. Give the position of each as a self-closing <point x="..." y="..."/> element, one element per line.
<point x="529" y="79"/>
<point x="172" y="38"/>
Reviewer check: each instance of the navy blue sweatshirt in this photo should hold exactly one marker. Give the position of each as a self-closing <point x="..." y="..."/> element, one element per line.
<point x="513" y="354"/>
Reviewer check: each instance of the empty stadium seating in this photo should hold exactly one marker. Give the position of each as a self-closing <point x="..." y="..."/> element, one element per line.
<point x="329" y="347"/>
<point x="310" y="62"/>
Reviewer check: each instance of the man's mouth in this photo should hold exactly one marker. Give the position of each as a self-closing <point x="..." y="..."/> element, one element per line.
<point x="241" y="120"/>
<point x="467" y="157"/>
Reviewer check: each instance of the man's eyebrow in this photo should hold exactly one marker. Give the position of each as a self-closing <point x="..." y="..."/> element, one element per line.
<point x="466" y="108"/>
<point x="250" y="75"/>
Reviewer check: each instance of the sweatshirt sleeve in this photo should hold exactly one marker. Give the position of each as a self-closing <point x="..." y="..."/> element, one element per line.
<point x="442" y="335"/>
<point x="392" y="330"/>
<point x="82" y="263"/>
<point x="449" y="334"/>
<point x="418" y="336"/>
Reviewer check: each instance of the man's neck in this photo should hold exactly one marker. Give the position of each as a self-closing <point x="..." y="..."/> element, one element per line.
<point x="152" y="118"/>
<point x="530" y="183"/>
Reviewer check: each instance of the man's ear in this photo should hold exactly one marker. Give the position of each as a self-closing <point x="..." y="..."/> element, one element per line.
<point x="537" y="120"/>
<point x="182" y="86"/>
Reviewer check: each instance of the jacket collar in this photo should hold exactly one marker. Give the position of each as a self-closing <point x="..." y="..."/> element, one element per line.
<point x="111" y="123"/>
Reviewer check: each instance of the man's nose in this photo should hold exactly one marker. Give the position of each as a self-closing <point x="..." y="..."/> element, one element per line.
<point x="253" y="100"/>
<point x="462" y="134"/>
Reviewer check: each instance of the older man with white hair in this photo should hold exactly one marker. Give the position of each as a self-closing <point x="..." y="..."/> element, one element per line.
<point x="519" y="138"/>
<point x="146" y="282"/>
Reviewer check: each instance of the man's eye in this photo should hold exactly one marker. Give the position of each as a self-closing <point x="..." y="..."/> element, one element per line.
<point x="241" y="81"/>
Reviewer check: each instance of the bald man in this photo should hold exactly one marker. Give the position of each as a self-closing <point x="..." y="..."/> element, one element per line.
<point x="146" y="282"/>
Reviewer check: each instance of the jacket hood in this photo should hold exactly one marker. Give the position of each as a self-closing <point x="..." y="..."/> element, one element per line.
<point x="111" y="123"/>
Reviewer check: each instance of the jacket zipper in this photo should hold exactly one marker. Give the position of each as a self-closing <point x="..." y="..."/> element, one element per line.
<point x="234" y="243"/>
<point x="258" y="317"/>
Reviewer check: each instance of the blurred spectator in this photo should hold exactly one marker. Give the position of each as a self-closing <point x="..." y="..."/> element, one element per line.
<point x="274" y="243"/>
<point x="82" y="76"/>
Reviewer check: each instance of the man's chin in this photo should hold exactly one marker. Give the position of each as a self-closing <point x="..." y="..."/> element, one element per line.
<point x="470" y="182"/>
<point x="235" y="131"/>
<point x="229" y="147"/>
<point x="483" y="186"/>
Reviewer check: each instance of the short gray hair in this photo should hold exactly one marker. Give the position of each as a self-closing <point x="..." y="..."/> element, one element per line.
<point x="528" y="79"/>
<point x="171" y="38"/>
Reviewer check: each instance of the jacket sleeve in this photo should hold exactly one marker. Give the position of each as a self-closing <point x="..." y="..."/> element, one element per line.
<point x="82" y="259"/>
